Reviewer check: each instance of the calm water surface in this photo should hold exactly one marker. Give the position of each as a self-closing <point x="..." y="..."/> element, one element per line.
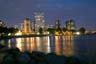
<point x="80" y="45"/>
<point x="58" y="44"/>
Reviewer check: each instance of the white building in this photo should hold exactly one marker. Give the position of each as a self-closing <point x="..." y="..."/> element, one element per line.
<point x="39" y="21"/>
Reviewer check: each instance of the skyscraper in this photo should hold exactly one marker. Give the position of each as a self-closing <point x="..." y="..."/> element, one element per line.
<point x="57" y="24"/>
<point x="26" y="27"/>
<point x="70" y="25"/>
<point x="39" y="21"/>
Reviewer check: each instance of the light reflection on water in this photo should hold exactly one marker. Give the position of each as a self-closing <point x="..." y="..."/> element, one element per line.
<point x="58" y="44"/>
<point x="83" y="46"/>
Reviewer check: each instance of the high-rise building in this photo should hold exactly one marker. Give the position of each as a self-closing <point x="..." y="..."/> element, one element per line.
<point x="39" y="21"/>
<point x="70" y="25"/>
<point x="57" y="24"/>
<point x="26" y="27"/>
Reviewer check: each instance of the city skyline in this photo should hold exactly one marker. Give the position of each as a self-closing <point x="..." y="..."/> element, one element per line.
<point x="12" y="12"/>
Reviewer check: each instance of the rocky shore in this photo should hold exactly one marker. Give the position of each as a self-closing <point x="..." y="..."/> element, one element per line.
<point x="14" y="56"/>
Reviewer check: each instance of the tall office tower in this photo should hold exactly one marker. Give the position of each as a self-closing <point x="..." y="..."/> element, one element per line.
<point x="70" y="25"/>
<point x="33" y="26"/>
<point x="39" y="21"/>
<point x="57" y="24"/>
<point x="26" y="27"/>
<point x="2" y="24"/>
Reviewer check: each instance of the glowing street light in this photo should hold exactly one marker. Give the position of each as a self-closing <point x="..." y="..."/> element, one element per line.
<point x="77" y="33"/>
<point x="18" y="33"/>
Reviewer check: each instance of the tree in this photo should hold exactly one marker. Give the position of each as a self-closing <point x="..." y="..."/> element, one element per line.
<point x="51" y="30"/>
<point x="72" y="31"/>
<point x="13" y="30"/>
<point x="40" y="30"/>
<point x="58" y="29"/>
<point x="82" y="30"/>
<point x="3" y="31"/>
<point x="64" y="29"/>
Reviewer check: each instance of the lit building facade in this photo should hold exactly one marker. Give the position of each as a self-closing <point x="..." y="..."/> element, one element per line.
<point x="39" y="21"/>
<point x="70" y="25"/>
<point x="26" y="27"/>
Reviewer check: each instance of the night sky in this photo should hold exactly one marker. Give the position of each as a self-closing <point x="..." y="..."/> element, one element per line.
<point x="12" y="12"/>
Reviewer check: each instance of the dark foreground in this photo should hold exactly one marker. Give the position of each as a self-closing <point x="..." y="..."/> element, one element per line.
<point x="14" y="56"/>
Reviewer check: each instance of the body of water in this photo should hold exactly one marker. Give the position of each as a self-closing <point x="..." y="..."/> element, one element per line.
<point x="83" y="46"/>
